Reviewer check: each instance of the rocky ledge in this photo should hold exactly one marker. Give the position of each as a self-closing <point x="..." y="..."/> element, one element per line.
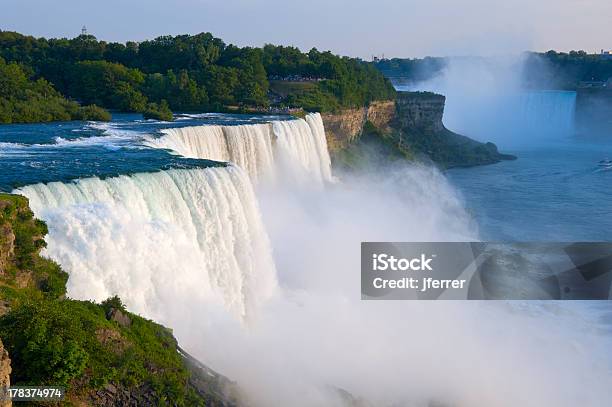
<point x="412" y="126"/>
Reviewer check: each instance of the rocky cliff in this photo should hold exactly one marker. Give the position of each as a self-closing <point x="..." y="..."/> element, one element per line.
<point x="420" y="110"/>
<point x="412" y="126"/>
<point x="419" y="121"/>
<point x="381" y="114"/>
<point x="344" y="127"/>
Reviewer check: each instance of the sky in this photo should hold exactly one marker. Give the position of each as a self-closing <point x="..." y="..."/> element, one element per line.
<point x="393" y="28"/>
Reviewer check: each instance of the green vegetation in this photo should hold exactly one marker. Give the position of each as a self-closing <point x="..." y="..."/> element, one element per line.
<point x="339" y="81"/>
<point x="74" y="344"/>
<point x="158" y="112"/>
<point x="413" y="70"/>
<point x="192" y="73"/>
<point x="561" y="70"/>
<point x="103" y="354"/>
<point x="21" y="238"/>
<point x="23" y="100"/>
<point x="449" y="149"/>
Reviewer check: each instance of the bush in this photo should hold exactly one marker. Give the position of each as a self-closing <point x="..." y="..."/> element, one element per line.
<point x="113" y="302"/>
<point x="45" y="342"/>
<point x="158" y="112"/>
<point x="93" y="113"/>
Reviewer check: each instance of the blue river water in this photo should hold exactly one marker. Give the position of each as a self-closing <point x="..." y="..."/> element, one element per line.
<point x="32" y="153"/>
<point x="554" y="191"/>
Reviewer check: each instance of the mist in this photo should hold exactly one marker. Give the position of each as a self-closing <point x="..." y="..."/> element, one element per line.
<point x="487" y="99"/>
<point x="316" y="335"/>
<point x="262" y="284"/>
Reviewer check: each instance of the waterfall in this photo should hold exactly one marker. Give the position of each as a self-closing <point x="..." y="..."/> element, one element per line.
<point x="298" y="146"/>
<point x="303" y="142"/>
<point x="548" y="112"/>
<point x="248" y="146"/>
<point x="155" y="237"/>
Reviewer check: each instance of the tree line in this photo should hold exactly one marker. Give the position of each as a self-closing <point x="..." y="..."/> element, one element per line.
<point x="189" y="73"/>
<point x="26" y="101"/>
<point x="566" y="70"/>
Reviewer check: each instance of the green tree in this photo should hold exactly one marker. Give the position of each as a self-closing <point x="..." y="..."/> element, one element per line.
<point x="43" y="341"/>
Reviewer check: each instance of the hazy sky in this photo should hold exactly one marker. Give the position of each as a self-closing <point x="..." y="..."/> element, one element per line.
<point x="403" y="28"/>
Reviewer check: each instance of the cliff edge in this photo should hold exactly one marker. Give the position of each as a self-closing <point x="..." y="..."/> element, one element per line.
<point x="410" y="127"/>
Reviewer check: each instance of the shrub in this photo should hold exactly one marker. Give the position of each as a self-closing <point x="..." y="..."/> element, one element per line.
<point x="45" y="343"/>
<point x="93" y="113"/>
<point x="158" y="112"/>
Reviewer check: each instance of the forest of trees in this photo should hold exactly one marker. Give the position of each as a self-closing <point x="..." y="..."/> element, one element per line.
<point x="189" y="73"/>
<point x="565" y="70"/>
<point x="413" y="70"/>
<point x="25" y="101"/>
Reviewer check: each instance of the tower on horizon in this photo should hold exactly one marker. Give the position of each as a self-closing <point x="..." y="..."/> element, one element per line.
<point x="84" y="30"/>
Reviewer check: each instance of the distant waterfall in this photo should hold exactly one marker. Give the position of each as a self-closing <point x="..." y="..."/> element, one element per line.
<point x="260" y="149"/>
<point x="154" y="237"/>
<point x="548" y="112"/>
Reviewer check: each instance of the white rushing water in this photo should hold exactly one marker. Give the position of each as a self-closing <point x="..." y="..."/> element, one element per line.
<point x="188" y="248"/>
<point x="297" y="148"/>
<point x="155" y="237"/>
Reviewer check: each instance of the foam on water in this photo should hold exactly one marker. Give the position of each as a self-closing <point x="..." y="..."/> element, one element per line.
<point x="297" y="146"/>
<point x="155" y="236"/>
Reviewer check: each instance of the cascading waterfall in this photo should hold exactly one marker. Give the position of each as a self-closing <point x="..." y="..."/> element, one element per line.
<point x="512" y="118"/>
<point x="548" y="112"/>
<point x="303" y="143"/>
<point x="248" y="146"/>
<point x="155" y="237"/>
<point x="298" y="146"/>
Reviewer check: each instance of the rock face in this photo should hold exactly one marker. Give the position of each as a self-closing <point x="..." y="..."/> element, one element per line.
<point x="5" y="371"/>
<point x="381" y="114"/>
<point x="119" y="317"/>
<point x="412" y="125"/>
<point x="345" y="127"/>
<point x="423" y="111"/>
